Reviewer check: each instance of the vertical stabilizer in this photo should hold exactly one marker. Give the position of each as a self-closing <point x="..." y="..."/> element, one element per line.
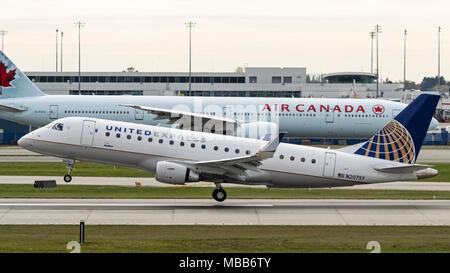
<point x="13" y="83"/>
<point x="401" y="139"/>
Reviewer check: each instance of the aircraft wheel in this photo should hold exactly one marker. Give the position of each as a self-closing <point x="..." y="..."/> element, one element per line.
<point x="219" y="195"/>
<point x="67" y="178"/>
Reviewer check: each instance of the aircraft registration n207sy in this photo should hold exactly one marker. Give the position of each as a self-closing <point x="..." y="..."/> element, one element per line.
<point x="180" y="156"/>
<point x="21" y="101"/>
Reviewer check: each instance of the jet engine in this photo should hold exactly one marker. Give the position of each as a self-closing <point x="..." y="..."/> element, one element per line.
<point x="173" y="173"/>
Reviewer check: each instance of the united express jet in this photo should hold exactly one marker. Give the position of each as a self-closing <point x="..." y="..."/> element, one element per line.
<point x="21" y="101"/>
<point x="181" y="156"/>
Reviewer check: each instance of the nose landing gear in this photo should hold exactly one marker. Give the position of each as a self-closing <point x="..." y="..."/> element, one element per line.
<point x="219" y="194"/>
<point x="70" y="163"/>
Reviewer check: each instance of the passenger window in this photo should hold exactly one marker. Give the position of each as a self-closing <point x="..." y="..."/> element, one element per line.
<point x="117" y="135"/>
<point x="292" y="158"/>
<point x="203" y="146"/>
<point x="216" y="148"/>
<point x="107" y="134"/>
<point x="303" y="159"/>
<point x="181" y="143"/>
<point x="236" y="151"/>
<point x="150" y="139"/>
<point x="192" y="145"/>
<point x="160" y="141"/>
<point x="128" y="136"/>
<point x="171" y="142"/>
<point x="226" y="149"/>
<point x="313" y="161"/>
<point x="281" y="156"/>
<point x="247" y="152"/>
<point x="139" y="138"/>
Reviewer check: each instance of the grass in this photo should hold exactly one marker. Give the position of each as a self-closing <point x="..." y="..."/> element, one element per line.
<point x="222" y="239"/>
<point x="81" y="191"/>
<point x="59" y="169"/>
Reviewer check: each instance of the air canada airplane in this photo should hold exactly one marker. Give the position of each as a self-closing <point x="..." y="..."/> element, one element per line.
<point x="180" y="156"/>
<point x="21" y="101"/>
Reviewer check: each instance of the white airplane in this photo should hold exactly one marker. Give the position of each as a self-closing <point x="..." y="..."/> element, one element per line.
<point x="21" y="101"/>
<point x="180" y="156"/>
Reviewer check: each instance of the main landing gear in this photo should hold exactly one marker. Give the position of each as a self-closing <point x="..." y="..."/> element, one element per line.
<point x="219" y="194"/>
<point x="70" y="163"/>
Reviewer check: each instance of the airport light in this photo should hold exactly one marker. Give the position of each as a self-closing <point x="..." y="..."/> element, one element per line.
<point x="62" y="35"/>
<point x="3" y="33"/>
<point x="79" y="24"/>
<point x="57" y="50"/>
<point x="439" y="59"/>
<point x="378" y="31"/>
<point x="372" y="35"/>
<point x="190" y="25"/>
<point x="404" y="61"/>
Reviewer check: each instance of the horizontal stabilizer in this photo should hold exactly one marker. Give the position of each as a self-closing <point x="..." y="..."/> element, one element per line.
<point x="403" y="169"/>
<point x="12" y="108"/>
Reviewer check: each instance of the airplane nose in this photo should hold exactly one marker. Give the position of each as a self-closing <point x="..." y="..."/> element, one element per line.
<point x="433" y="124"/>
<point x="22" y="142"/>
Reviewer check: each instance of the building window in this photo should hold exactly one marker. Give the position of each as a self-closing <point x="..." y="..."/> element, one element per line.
<point x="276" y="79"/>
<point x="252" y="79"/>
<point x="287" y="79"/>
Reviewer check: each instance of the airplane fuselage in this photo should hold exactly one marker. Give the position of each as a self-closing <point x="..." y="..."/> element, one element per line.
<point x="142" y="146"/>
<point x="300" y="117"/>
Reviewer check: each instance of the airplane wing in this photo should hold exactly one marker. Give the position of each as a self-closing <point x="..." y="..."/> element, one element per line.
<point x="402" y="169"/>
<point x="236" y="167"/>
<point x="187" y="119"/>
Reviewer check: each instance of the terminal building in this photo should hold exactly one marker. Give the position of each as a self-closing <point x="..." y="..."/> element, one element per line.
<point x="252" y="82"/>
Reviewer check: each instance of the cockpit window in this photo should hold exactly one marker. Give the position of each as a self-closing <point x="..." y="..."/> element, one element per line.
<point x="58" y="127"/>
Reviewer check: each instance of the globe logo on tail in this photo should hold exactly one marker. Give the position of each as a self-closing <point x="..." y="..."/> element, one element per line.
<point x="393" y="143"/>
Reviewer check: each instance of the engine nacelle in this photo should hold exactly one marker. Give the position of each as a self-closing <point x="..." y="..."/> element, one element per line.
<point x="173" y="173"/>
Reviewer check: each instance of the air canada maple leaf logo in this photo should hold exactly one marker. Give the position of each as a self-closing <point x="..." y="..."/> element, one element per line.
<point x="378" y="109"/>
<point x="6" y="77"/>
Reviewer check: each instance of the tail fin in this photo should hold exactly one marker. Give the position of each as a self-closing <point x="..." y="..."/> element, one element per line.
<point x="401" y="139"/>
<point x="13" y="83"/>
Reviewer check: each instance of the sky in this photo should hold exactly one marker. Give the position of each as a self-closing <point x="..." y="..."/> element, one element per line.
<point x="324" y="36"/>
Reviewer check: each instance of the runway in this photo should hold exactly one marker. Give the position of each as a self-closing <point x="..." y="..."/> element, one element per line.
<point x="230" y="212"/>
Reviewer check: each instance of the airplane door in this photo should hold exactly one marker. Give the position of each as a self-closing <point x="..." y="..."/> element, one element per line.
<point x="87" y="135"/>
<point x="53" y="112"/>
<point x="330" y="160"/>
<point x="329" y="117"/>
<point x="139" y="114"/>
<point x="395" y="112"/>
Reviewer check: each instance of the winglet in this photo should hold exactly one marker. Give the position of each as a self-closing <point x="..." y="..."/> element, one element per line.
<point x="273" y="144"/>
